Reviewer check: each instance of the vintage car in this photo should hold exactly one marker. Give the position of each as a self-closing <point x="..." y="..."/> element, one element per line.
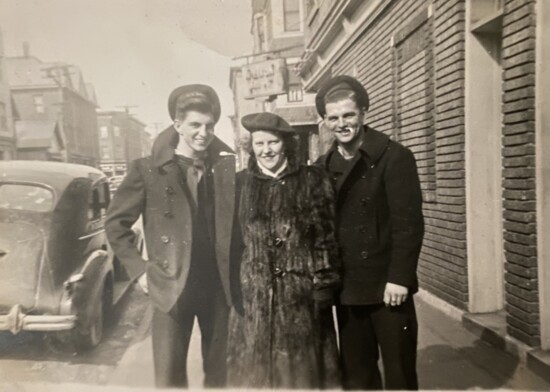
<point x="57" y="271"/>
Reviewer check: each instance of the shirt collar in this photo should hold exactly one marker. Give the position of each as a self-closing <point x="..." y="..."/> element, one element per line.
<point x="269" y="173"/>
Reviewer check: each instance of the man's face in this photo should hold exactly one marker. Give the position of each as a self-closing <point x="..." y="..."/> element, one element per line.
<point x="345" y="120"/>
<point x="196" y="130"/>
<point x="268" y="149"/>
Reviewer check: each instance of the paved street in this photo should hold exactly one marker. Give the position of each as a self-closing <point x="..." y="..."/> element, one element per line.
<point x="34" y="357"/>
<point x="449" y="357"/>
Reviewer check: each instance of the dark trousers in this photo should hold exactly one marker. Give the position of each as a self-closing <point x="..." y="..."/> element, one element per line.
<point x="172" y="332"/>
<point x="366" y="330"/>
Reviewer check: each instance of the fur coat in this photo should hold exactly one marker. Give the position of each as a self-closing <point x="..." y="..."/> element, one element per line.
<point x="289" y="263"/>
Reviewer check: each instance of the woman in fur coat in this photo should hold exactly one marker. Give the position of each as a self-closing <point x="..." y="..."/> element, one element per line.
<point x="282" y="332"/>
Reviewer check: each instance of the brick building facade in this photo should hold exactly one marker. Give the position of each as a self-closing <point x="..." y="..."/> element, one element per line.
<point x="50" y="92"/>
<point x="459" y="82"/>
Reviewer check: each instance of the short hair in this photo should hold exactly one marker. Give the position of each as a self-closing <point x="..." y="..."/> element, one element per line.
<point x="198" y="103"/>
<point x="339" y="94"/>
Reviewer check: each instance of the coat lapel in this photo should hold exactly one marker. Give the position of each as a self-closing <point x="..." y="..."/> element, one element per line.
<point x="342" y="179"/>
<point x="224" y="208"/>
<point x="374" y="145"/>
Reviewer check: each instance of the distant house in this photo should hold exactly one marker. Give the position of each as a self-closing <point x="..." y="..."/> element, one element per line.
<point x="7" y="137"/>
<point x="53" y="92"/>
<point x="40" y="140"/>
<point x="122" y="138"/>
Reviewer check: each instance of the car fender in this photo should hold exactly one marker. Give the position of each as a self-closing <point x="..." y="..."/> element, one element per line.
<point x="86" y="291"/>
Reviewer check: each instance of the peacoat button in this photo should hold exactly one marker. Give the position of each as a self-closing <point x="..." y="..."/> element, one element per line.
<point x="278" y="272"/>
<point x="165" y="264"/>
<point x="169" y="190"/>
<point x="363" y="229"/>
<point x="165" y="239"/>
<point x="364" y="176"/>
<point x="168" y="214"/>
<point x="364" y="255"/>
<point x="364" y="201"/>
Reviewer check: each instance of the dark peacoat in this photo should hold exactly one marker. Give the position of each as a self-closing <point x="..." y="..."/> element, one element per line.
<point x="379" y="218"/>
<point x="156" y="187"/>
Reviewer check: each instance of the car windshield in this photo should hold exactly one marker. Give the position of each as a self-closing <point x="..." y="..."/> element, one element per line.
<point x="25" y="197"/>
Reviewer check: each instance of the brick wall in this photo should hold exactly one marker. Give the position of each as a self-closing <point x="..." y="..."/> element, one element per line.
<point x="444" y="252"/>
<point x="521" y="285"/>
<point x="417" y="96"/>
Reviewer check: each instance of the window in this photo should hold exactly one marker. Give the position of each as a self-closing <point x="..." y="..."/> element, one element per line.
<point x="117" y="131"/>
<point x="291" y="15"/>
<point x="39" y="103"/>
<point x="104" y="132"/>
<point x="26" y="198"/>
<point x="295" y="93"/>
<point x="99" y="201"/>
<point x="260" y="30"/>
<point x="105" y="152"/>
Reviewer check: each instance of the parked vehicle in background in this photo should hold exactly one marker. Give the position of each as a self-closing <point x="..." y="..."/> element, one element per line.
<point x="57" y="272"/>
<point x="114" y="183"/>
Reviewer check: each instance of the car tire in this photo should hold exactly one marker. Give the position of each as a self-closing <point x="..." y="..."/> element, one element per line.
<point x="89" y="337"/>
<point x="81" y="338"/>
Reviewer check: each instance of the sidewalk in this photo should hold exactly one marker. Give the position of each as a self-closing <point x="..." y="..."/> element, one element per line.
<point x="449" y="357"/>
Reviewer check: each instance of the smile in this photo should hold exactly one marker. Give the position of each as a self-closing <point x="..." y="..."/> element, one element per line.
<point x="344" y="131"/>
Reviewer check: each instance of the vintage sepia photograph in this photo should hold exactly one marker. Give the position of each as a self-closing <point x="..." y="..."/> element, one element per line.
<point x="274" y="195"/>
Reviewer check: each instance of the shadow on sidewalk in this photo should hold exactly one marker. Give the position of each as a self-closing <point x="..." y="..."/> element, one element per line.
<point x="446" y="367"/>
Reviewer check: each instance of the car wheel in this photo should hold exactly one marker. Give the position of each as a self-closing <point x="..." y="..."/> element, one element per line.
<point x="90" y="336"/>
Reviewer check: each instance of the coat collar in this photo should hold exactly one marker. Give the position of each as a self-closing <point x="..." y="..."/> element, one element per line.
<point x="254" y="169"/>
<point x="373" y="146"/>
<point x="167" y="140"/>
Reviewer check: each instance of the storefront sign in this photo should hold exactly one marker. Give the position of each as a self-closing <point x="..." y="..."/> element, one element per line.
<point x="265" y="78"/>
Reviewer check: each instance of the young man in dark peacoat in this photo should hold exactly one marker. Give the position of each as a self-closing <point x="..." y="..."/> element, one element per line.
<point x="186" y="193"/>
<point x="380" y="230"/>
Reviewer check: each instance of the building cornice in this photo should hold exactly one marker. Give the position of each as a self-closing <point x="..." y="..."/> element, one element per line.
<point x="339" y="29"/>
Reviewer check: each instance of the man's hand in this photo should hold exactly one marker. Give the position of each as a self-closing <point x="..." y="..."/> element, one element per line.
<point x="142" y="281"/>
<point x="394" y="294"/>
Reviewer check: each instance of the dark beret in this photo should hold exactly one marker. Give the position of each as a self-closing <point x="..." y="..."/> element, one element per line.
<point x="266" y="122"/>
<point x="194" y="93"/>
<point x="341" y="82"/>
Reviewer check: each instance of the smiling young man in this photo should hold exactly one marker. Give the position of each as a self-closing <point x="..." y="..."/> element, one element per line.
<point x="380" y="229"/>
<point x="186" y="193"/>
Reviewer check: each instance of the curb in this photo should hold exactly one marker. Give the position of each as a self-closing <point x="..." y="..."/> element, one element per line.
<point x="491" y="328"/>
<point x="538" y="361"/>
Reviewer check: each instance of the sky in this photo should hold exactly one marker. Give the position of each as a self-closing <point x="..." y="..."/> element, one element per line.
<point x="135" y="52"/>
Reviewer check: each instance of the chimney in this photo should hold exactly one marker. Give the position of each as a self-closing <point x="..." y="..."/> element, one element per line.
<point x="26" y="49"/>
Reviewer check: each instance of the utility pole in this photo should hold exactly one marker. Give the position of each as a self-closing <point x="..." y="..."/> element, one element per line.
<point x="56" y="73"/>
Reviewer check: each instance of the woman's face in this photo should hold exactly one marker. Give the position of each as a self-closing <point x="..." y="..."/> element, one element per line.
<point x="268" y="149"/>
